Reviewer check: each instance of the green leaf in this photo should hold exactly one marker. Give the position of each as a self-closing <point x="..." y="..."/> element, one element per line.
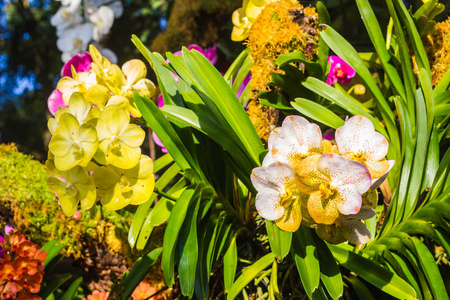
<point x="139" y="271"/>
<point x="304" y="252"/>
<point x="317" y="112"/>
<point x="52" y="251"/>
<point x="443" y="84"/>
<point x="72" y="291"/>
<point x="329" y="271"/>
<point x="230" y="264"/>
<point x="249" y="273"/>
<point x="188" y="249"/>
<point x="372" y="272"/>
<point x="431" y="270"/>
<point x="376" y="36"/>
<point x="172" y="231"/>
<point x="280" y="240"/>
<point x="209" y="81"/>
<point x="324" y="18"/>
<point x="50" y="286"/>
<point x="341" y="99"/>
<point x="360" y="288"/>
<point x="164" y="130"/>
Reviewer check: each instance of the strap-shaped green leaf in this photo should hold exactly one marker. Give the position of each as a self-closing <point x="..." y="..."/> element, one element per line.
<point x="230" y="264"/>
<point x="72" y="291"/>
<point x="280" y="240"/>
<point x="172" y="231"/>
<point x="140" y="269"/>
<point x="317" y="112"/>
<point x="249" y="273"/>
<point x="372" y="272"/>
<point x="304" y="253"/>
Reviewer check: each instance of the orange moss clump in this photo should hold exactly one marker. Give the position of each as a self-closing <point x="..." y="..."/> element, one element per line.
<point x="281" y="27"/>
<point x="21" y="267"/>
<point x="437" y="46"/>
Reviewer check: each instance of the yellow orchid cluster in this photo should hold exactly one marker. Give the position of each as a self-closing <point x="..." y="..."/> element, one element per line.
<point x="307" y="180"/>
<point x="95" y="151"/>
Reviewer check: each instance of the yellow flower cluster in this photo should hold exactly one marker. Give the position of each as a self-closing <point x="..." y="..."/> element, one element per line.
<point x="95" y="151"/>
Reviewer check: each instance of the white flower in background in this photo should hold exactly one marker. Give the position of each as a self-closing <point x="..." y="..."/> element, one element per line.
<point x="65" y="18"/>
<point x="74" y="35"/>
<point x="74" y="40"/>
<point x="116" y="6"/>
<point x="71" y="4"/>
<point x="102" y="19"/>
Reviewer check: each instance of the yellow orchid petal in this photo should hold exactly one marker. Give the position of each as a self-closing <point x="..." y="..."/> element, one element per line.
<point x="112" y="198"/>
<point x="115" y="118"/>
<point x="310" y="178"/>
<point x="132" y="135"/>
<point x="134" y="70"/>
<point x="144" y="87"/>
<point x="98" y="95"/>
<point x="292" y="217"/>
<point x="323" y="210"/>
<point x="69" y="160"/>
<point x="105" y="177"/>
<point x="60" y="145"/>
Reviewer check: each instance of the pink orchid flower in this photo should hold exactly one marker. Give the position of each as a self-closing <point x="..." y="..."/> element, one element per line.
<point x="81" y="63"/>
<point x="340" y="71"/>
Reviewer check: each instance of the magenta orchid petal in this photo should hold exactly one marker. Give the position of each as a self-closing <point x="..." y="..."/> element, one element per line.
<point x="55" y="101"/>
<point x="340" y="71"/>
<point x="160" y="101"/>
<point x="294" y="139"/>
<point x="243" y="85"/>
<point x="350" y="199"/>
<point x="211" y="54"/>
<point x="358" y="136"/>
<point x="158" y="142"/>
<point x="81" y="63"/>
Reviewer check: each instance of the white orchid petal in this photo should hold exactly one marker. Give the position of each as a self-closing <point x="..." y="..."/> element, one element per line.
<point x="296" y="137"/>
<point x="364" y="213"/>
<point x="268" y="205"/>
<point x="350" y="200"/>
<point x="355" y="232"/>
<point x="272" y="177"/>
<point x="268" y="159"/>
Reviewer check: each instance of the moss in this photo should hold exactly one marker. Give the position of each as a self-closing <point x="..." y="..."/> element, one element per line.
<point x="31" y="207"/>
<point x="281" y="27"/>
<point x="437" y="46"/>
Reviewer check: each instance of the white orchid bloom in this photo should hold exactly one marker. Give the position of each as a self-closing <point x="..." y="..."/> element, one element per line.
<point x="358" y="140"/>
<point x="278" y="198"/>
<point x="74" y="40"/>
<point x="71" y="4"/>
<point x="102" y="19"/>
<point x="334" y="186"/>
<point x="116" y="6"/>
<point x="65" y="18"/>
<point x="295" y="140"/>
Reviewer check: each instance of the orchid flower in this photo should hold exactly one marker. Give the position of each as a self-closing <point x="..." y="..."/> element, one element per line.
<point x="340" y="71"/>
<point x="295" y="140"/>
<point x="357" y="140"/>
<point x="119" y="187"/>
<point x="334" y="186"/>
<point x="278" y="198"/>
<point x="119" y="141"/>
<point x="64" y="18"/>
<point x="80" y="63"/>
<point x="102" y="18"/>
<point x="74" y="40"/>
<point x="73" y="143"/>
